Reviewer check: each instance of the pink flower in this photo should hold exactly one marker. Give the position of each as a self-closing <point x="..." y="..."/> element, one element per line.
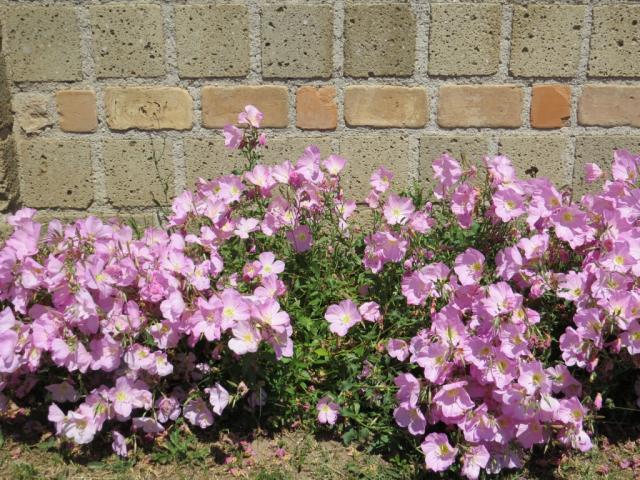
<point x="301" y="239"/>
<point x="592" y="172"/>
<point x="342" y="317"/>
<point x="508" y="204"/>
<point x="370" y="311"/>
<point x="233" y="137"/>
<point x="439" y="455"/>
<point x="468" y="266"/>
<point x="147" y="425"/>
<point x="410" y="417"/>
<point x="63" y="392"/>
<point x="218" y="398"/>
<point x="119" y="444"/>
<point x="245" y="226"/>
<point x="251" y="116"/>
<point x="408" y="389"/>
<point x="334" y="164"/>
<point x="269" y="265"/>
<point x="197" y="413"/>
<point x="397" y="210"/>
<point x="447" y="172"/>
<point x="453" y="401"/>
<point x="327" y="411"/>
<point x="398" y="349"/>
<point x="381" y="180"/>
<point x="246" y="338"/>
<point x="167" y="408"/>
<point x="475" y="459"/>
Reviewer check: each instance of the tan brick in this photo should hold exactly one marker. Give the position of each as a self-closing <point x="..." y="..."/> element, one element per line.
<point x="598" y="149"/>
<point x="297" y="41"/>
<point x="291" y="148"/>
<point x="385" y="106"/>
<point x="128" y="40"/>
<point x="43" y="43"/>
<point x="468" y="149"/>
<point x="55" y="173"/>
<point x="539" y="156"/>
<point x="609" y="105"/>
<point x="550" y="105"/>
<point x="221" y="105"/>
<point x="148" y="108"/>
<point x="31" y="111"/>
<point x="365" y="153"/>
<point x="614" y="50"/>
<point x="77" y="110"/>
<point x="480" y="106"/>
<point x="379" y="40"/>
<point x="137" y="170"/>
<point x="545" y="40"/>
<point x="221" y="34"/>
<point x="316" y="108"/>
<point x="464" y="39"/>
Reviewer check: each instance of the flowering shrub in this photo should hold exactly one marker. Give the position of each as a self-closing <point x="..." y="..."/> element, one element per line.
<point x="484" y="319"/>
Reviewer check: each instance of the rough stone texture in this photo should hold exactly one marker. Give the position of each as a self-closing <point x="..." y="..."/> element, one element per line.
<point x="379" y="40"/>
<point x="386" y="106"/>
<point x="297" y="41"/>
<point x="464" y="39"/>
<point x="43" y="43"/>
<point x="6" y="117"/>
<point x="291" y="148"/>
<point x="615" y="38"/>
<point x="212" y="40"/>
<point x="208" y="158"/>
<point x="609" y="105"/>
<point x="77" y="110"/>
<point x="480" y="106"/>
<point x="31" y="111"/>
<point x="148" y="108"/>
<point x="366" y="153"/>
<point x="545" y="155"/>
<point x="545" y="40"/>
<point x="136" y="170"/>
<point x="470" y="147"/>
<point x="550" y="105"/>
<point x="316" y="108"/>
<point x="221" y="105"/>
<point x="128" y="40"/>
<point x="55" y="173"/>
<point x="8" y="173"/>
<point x="598" y="149"/>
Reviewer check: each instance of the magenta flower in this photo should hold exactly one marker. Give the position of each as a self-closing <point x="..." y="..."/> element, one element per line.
<point x="342" y="317"/>
<point x="327" y="411"/>
<point x="439" y="455"/>
<point x="301" y="239"/>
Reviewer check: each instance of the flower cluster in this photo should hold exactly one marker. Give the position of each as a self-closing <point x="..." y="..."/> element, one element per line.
<point x="498" y="300"/>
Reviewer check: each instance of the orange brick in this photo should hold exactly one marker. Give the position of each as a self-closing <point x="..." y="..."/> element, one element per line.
<point x="492" y="106"/>
<point x="316" y="108"/>
<point x="221" y="105"/>
<point x="385" y="106"/>
<point x="609" y="105"/>
<point x="550" y="106"/>
<point x="77" y="110"/>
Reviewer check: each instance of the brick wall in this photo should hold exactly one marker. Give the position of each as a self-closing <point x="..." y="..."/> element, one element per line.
<point x="114" y="103"/>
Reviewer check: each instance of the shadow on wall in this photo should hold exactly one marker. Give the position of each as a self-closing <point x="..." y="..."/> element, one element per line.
<point x="8" y="163"/>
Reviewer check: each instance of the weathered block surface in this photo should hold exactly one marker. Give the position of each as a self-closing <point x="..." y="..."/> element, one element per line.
<point x="464" y="39"/>
<point x="77" y="110"/>
<point x="550" y="105"/>
<point x="316" y="108"/>
<point x="468" y="149"/>
<point x="614" y="41"/>
<point x="136" y="171"/>
<point x="148" y="108"/>
<point x="539" y="156"/>
<point x="128" y="40"/>
<point x="379" y="40"/>
<point x="598" y="149"/>
<point x="221" y="105"/>
<point x="297" y="41"/>
<point x="9" y="181"/>
<point x="212" y="40"/>
<point x="480" y="106"/>
<point x="366" y="153"/>
<point x="43" y="43"/>
<point x="55" y="173"/>
<point x="386" y="106"/>
<point x="609" y="105"/>
<point x="31" y="111"/>
<point x="545" y="40"/>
